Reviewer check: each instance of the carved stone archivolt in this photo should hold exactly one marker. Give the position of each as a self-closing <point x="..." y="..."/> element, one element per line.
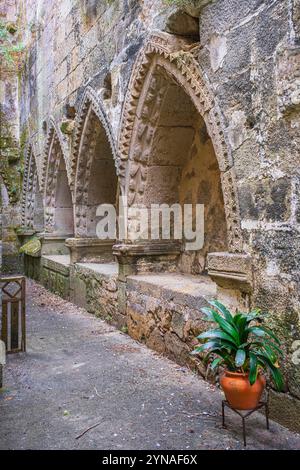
<point x="32" y="204"/>
<point x="166" y="58"/>
<point x="55" y="152"/>
<point x="91" y="121"/>
<point x="54" y="134"/>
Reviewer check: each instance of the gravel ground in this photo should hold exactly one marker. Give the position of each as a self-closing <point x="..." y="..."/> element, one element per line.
<point x="80" y="371"/>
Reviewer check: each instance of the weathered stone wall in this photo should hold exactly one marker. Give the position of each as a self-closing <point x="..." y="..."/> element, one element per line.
<point x="250" y="54"/>
<point x="239" y="62"/>
<point x="11" y="141"/>
<point x="97" y="291"/>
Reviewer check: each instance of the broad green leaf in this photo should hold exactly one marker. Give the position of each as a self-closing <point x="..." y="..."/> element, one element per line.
<point x="207" y="345"/>
<point x="276" y="374"/>
<point x="223" y="310"/>
<point x="208" y="312"/>
<point x="227" y="327"/>
<point x="263" y="331"/>
<point x="253" y="368"/>
<point x="217" y="333"/>
<point x="216" y="362"/>
<point x="260" y="344"/>
<point x="240" y="357"/>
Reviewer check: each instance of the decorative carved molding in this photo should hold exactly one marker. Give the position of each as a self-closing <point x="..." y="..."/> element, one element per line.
<point x="166" y="55"/>
<point x="84" y="142"/>
<point x="30" y="187"/>
<point x="54" y="133"/>
<point x="55" y="149"/>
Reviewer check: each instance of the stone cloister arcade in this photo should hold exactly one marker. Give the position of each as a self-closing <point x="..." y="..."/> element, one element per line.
<point x="171" y="148"/>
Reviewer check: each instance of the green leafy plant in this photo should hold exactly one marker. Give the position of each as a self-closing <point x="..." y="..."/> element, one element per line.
<point x="8" y="48"/>
<point x="241" y="343"/>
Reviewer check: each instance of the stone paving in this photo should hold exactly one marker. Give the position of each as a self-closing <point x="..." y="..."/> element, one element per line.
<point x="80" y="371"/>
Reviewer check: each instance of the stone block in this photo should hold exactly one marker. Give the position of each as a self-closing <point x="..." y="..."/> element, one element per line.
<point x="231" y="270"/>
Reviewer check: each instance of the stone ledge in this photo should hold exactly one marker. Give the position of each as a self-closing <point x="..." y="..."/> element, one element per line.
<point x="57" y="263"/>
<point x="181" y="289"/>
<point x="231" y="270"/>
<point x="147" y="249"/>
<point x="90" y="250"/>
<point x="103" y="269"/>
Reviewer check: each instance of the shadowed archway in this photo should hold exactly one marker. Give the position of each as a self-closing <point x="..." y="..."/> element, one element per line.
<point x="173" y="148"/>
<point x="57" y="194"/>
<point x="94" y="178"/>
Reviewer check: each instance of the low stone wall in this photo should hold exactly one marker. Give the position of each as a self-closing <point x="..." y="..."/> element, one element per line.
<point x="164" y="313"/>
<point x="32" y="267"/>
<point x="55" y="275"/>
<point x="95" y="288"/>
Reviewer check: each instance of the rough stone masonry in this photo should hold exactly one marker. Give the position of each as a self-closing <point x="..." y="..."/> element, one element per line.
<point x="165" y="102"/>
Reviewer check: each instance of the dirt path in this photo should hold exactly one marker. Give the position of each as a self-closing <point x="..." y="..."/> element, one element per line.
<point x="79" y="371"/>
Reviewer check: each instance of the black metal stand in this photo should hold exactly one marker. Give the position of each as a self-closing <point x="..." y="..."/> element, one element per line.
<point x="244" y="414"/>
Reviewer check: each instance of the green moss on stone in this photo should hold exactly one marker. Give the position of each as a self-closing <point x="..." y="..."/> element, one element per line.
<point x="32" y="247"/>
<point x="11" y="161"/>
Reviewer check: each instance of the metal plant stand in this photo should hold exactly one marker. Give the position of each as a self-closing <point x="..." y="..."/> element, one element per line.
<point x="244" y="414"/>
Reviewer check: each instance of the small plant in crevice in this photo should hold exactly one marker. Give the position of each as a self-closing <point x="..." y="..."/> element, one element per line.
<point x="245" y="348"/>
<point x="10" y="50"/>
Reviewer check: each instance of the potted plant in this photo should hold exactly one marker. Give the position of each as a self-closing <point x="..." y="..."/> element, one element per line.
<point x="246" y="348"/>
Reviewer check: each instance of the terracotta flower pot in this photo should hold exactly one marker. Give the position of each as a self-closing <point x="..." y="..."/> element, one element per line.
<point x="238" y="391"/>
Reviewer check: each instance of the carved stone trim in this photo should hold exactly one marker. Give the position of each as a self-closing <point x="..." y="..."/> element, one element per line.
<point x="231" y="270"/>
<point x="55" y="150"/>
<point x="178" y="59"/>
<point x="54" y="133"/>
<point x="30" y="187"/>
<point x="147" y="248"/>
<point x="85" y="139"/>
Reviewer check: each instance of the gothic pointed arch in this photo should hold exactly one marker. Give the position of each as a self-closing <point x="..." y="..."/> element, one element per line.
<point x="55" y="184"/>
<point x="166" y="92"/>
<point x="94" y="164"/>
<point x="32" y="198"/>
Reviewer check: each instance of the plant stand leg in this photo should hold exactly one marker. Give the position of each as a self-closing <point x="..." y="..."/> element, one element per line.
<point x="223" y="414"/>
<point x="267" y="415"/>
<point x="244" y="431"/>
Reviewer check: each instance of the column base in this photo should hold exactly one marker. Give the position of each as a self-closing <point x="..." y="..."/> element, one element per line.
<point x="154" y="256"/>
<point x="90" y="250"/>
<point x="53" y="244"/>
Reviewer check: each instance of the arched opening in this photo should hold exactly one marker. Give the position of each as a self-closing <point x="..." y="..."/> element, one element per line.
<point x="59" y="219"/>
<point x="63" y="215"/>
<point x="95" y="184"/>
<point x="102" y="178"/>
<point x="183" y="169"/>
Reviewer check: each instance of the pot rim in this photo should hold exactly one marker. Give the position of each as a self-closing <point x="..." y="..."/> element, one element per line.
<point x="232" y="374"/>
